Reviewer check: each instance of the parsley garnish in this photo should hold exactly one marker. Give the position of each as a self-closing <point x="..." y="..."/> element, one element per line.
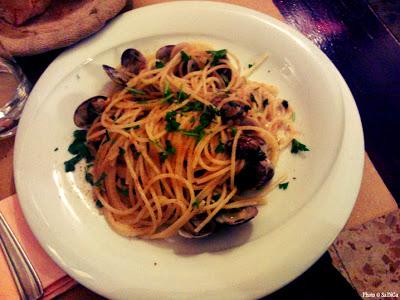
<point x="55" y="149"/>
<point x="225" y="79"/>
<point x="215" y="197"/>
<point x="69" y="165"/>
<point x="107" y="137"/>
<point x="121" y="151"/>
<point x="135" y="153"/>
<point x="217" y="55"/>
<point x="136" y="127"/>
<point x="159" y="64"/>
<point x="79" y="149"/>
<point x="168" y="96"/>
<point x="156" y="143"/>
<point x="250" y="65"/>
<point x="192" y="106"/>
<point x="169" y="150"/>
<point x="205" y="119"/>
<point x="99" y="182"/>
<point x="163" y="156"/>
<point x="285" y="104"/>
<point x="185" y="57"/>
<point x="172" y="124"/>
<point x="89" y="177"/>
<point x="195" y="203"/>
<point x="123" y="191"/>
<point x="136" y="92"/>
<point x="283" y="186"/>
<point x="233" y="131"/>
<point x="293" y="116"/>
<point x="182" y="96"/>
<point x="297" y="147"/>
<point x="192" y="120"/>
<point x="99" y="204"/>
<point x="220" y="147"/>
<point x="80" y="135"/>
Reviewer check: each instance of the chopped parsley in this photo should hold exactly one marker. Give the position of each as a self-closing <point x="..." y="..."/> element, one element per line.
<point x="80" y="135"/>
<point x="169" y="150"/>
<point x="69" y="165"/>
<point x="172" y="124"/>
<point x="163" y="156"/>
<point x="293" y="116"/>
<point x="123" y="191"/>
<point x="216" y="56"/>
<point x="285" y="104"/>
<point x="225" y="79"/>
<point x="99" y="182"/>
<point x="99" y="204"/>
<point x="182" y="96"/>
<point x="79" y="149"/>
<point x="192" y="106"/>
<point x="196" y="203"/>
<point x="205" y="119"/>
<point x="233" y="131"/>
<point x="185" y="57"/>
<point x="168" y="96"/>
<point x="168" y="147"/>
<point x="136" y="92"/>
<point x="135" y="153"/>
<point x="156" y="143"/>
<point x="192" y="120"/>
<point x="220" y="147"/>
<point x="89" y="177"/>
<point x="215" y="197"/>
<point x="55" y="149"/>
<point x="159" y="64"/>
<point x="297" y="147"/>
<point x="121" y="151"/>
<point x="250" y="65"/>
<point x="107" y="136"/>
<point x="283" y="186"/>
<point x="136" y="127"/>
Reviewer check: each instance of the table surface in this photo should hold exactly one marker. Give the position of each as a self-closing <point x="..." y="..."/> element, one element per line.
<point x="374" y="86"/>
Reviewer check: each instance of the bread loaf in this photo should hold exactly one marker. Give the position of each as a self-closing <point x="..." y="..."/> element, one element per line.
<point x="17" y="12"/>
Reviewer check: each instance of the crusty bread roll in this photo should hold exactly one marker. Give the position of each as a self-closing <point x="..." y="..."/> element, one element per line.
<point x="17" y="12"/>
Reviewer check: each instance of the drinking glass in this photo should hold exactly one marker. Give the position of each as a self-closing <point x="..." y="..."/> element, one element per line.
<point x="14" y="91"/>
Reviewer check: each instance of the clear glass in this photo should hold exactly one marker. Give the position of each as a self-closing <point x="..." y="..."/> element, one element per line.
<point x="14" y="91"/>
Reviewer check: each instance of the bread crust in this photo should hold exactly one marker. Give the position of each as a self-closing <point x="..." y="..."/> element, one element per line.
<point x="65" y="22"/>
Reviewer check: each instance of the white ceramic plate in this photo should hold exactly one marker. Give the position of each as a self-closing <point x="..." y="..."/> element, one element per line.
<point x="249" y="261"/>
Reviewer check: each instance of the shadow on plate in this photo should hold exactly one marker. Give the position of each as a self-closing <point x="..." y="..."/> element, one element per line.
<point x="225" y="238"/>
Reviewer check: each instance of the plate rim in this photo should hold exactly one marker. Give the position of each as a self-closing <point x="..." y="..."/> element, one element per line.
<point x="350" y="110"/>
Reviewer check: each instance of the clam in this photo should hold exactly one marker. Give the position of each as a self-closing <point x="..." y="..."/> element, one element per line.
<point x="164" y="53"/>
<point x="254" y="175"/>
<point x="233" y="217"/>
<point x="89" y="110"/>
<point x="188" y="232"/>
<point x="132" y="61"/>
<point x="115" y="75"/>
<point x="249" y="147"/>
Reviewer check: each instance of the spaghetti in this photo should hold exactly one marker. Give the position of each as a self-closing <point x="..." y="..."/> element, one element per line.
<point x="175" y="148"/>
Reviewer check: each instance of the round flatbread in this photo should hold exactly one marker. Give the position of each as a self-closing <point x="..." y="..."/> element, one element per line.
<point x="65" y="22"/>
